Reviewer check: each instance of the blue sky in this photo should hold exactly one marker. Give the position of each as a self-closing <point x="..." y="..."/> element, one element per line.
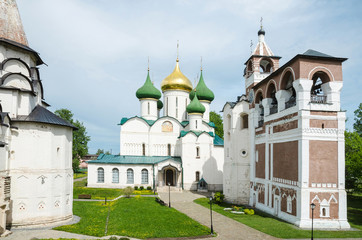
<point x="97" y="50"/>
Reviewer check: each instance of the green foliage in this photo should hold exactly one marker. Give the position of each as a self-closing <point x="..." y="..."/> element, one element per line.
<point x="278" y="228"/>
<point x="128" y="191"/>
<point x="219" y="197"/>
<point x="249" y="211"/>
<point x="141" y="188"/>
<point x="353" y="151"/>
<point x="141" y="218"/>
<point x="357" y="126"/>
<point x="80" y="138"/>
<point x="135" y="187"/>
<point x="217" y="120"/>
<point x="100" y="151"/>
<point x="149" y="188"/>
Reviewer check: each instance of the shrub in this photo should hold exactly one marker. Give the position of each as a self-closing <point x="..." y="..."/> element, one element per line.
<point x="141" y="187"/>
<point x="219" y="197"/>
<point x="128" y="191"/>
<point x="249" y="211"/>
<point x="135" y="188"/>
<point x="149" y="188"/>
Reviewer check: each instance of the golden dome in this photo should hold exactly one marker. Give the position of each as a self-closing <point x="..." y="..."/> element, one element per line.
<point x="176" y="81"/>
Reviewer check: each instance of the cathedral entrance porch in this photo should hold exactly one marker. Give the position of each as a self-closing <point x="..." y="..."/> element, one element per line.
<point x="169" y="176"/>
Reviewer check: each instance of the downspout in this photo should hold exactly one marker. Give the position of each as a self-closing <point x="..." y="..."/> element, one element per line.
<point x="153" y="169"/>
<point x="182" y="179"/>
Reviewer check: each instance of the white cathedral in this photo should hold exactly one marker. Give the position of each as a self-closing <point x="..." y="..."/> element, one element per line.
<point x="179" y="149"/>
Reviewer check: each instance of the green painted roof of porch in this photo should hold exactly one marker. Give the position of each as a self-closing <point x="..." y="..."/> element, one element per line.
<point x="127" y="159"/>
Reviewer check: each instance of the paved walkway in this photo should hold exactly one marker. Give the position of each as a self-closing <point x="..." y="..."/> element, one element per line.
<point x="226" y="228"/>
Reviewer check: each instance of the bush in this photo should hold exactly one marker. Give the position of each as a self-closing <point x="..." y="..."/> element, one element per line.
<point x="249" y="211"/>
<point x="219" y="197"/>
<point x="135" y="188"/>
<point x="128" y="191"/>
<point x="149" y="188"/>
<point x="141" y="188"/>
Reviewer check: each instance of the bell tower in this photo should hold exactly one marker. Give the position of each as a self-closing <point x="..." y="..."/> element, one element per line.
<point x="261" y="63"/>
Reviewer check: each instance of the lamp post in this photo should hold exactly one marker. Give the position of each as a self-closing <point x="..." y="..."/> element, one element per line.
<point x="312" y="206"/>
<point x="212" y="230"/>
<point x="169" y="195"/>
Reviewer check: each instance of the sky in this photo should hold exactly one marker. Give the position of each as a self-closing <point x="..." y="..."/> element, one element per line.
<point x="97" y="51"/>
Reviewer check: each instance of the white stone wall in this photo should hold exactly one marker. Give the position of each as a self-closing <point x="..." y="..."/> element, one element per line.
<point x="108" y="180"/>
<point x="237" y="154"/>
<point x="175" y="103"/>
<point x="41" y="174"/>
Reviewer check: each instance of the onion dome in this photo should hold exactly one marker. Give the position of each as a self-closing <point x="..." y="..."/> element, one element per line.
<point x="195" y="106"/>
<point x="148" y="90"/>
<point x="176" y="81"/>
<point x="261" y="31"/>
<point x="159" y="104"/>
<point x="203" y="92"/>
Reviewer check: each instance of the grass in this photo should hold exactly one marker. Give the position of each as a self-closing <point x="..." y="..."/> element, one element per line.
<point x="101" y="193"/>
<point x="268" y="224"/>
<point x="139" y="217"/>
<point x="79" y="175"/>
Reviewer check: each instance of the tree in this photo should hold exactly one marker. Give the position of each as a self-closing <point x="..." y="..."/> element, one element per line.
<point x="100" y="151"/>
<point x="217" y="120"/>
<point x="353" y="148"/>
<point x="357" y="126"/>
<point x="80" y="138"/>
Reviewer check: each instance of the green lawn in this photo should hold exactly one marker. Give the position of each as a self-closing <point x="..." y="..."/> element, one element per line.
<point x="139" y="217"/>
<point x="101" y="193"/>
<point x="79" y="175"/>
<point x="278" y="228"/>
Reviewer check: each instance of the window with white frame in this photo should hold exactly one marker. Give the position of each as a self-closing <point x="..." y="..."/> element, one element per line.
<point x="197" y="152"/>
<point x="144" y="179"/>
<point x="130" y="178"/>
<point x="100" y="172"/>
<point x="115" y="175"/>
<point x="289" y="204"/>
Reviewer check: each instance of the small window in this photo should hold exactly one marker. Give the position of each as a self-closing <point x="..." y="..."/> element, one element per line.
<point x="143" y="149"/>
<point x="144" y="179"/>
<point x="196" y="123"/>
<point x="169" y="149"/>
<point x="115" y="175"/>
<point x="197" y="176"/>
<point x="130" y="178"/>
<point x="323" y="212"/>
<point x="100" y="175"/>
<point x="197" y="152"/>
<point x="148" y="108"/>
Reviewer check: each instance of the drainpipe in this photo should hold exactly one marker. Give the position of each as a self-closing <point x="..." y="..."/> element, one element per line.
<point x="153" y="168"/>
<point x="182" y="179"/>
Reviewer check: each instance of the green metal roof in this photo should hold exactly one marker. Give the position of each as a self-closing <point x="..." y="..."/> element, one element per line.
<point x="203" y="92"/>
<point x="218" y="141"/>
<point x="127" y="159"/>
<point x="151" y="122"/>
<point x="148" y="90"/>
<point x="197" y="133"/>
<point x="195" y="106"/>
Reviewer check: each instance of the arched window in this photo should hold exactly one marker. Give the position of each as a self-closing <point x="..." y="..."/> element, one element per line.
<point x="185" y="107"/>
<point x="148" y="108"/>
<point x="288" y="86"/>
<point x="100" y="172"/>
<point x="143" y="149"/>
<point x="323" y="212"/>
<point x="168" y="149"/>
<point x="144" y="179"/>
<point x="130" y="177"/>
<point x="266" y="66"/>
<point x="176" y="107"/>
<point x="115" y="175"/>
<point x="197" y="152"/>
<point x="271" y="94"/>
<point x="196" y="124"/>
<point x="317" y="95"/>
<point x="197" y="176"/>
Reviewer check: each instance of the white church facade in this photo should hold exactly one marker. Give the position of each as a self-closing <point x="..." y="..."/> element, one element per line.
<point x="36" y="177"/>
<point x="179" y="148"/>
<point x="284" y="139"/>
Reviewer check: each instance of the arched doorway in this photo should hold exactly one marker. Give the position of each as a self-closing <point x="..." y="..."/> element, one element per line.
<point x="169" y="177"/>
